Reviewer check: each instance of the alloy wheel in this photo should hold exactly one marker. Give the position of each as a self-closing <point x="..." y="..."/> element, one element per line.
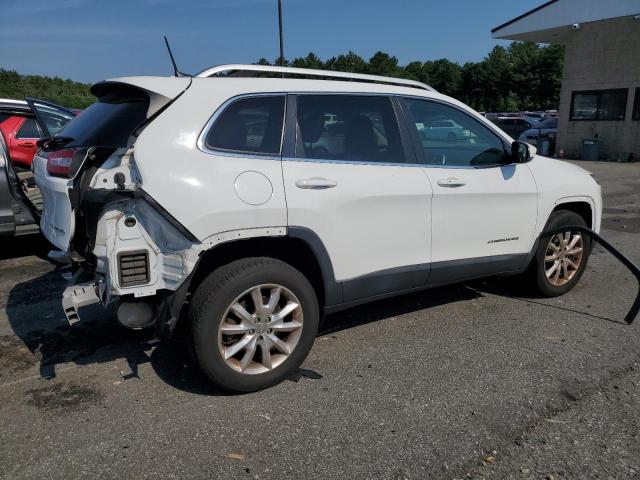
<point x="563" y="257"/>
<point x="260" y="329"/>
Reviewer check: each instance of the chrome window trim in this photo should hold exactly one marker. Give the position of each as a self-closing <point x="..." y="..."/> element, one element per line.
<point x="201" y="142"/>
<point x="390" y="164"/>
<point x="351" y="162"/>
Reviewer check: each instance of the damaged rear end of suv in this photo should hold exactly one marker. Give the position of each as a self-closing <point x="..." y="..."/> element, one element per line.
<point x="123" y="247"/>
<point x="242" y="209"/>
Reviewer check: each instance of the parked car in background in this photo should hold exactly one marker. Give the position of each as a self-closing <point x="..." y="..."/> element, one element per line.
<point x="21" y="125"/>
<point x="546" y="128"/>
<point x="514" y="126"/>
<point x="21" y="129"/>
<point x="444" y="129"/>
<point x="534" y="115"/>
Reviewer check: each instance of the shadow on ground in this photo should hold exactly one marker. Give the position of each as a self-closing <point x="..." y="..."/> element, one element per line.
<point x="37" y="319"/>
<point x="25" y="246"/>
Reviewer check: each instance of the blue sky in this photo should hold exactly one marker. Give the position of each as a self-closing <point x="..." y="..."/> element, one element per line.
<point x="89" y="40"/>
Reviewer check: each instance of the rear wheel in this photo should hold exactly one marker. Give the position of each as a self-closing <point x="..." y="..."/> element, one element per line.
<point x="561" y="258"/>
<point x="254" y="321"/>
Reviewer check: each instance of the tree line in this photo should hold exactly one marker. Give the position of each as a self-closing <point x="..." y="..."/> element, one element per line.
<point x="522" y="76"/>
<point x="63" y="92"/>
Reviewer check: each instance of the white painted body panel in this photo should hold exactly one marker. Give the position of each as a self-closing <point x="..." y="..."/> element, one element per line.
<point x="57" y="221"/>
<point x="563" y="182"/>
<point x="377" y="217"/>
<point x="199" y="188"/>
<point x="493" y="213"/>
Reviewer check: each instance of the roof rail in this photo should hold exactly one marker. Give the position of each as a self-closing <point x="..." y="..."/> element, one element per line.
<point x="210" y="72"/>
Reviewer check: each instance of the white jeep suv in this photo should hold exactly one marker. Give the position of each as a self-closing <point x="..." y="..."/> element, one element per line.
<point x="247" y="207"/>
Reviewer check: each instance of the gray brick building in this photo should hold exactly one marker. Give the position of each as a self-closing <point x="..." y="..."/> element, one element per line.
<point x="600" y="94"/>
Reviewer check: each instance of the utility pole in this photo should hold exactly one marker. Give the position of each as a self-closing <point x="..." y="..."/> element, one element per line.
<point x="280" y="31"/>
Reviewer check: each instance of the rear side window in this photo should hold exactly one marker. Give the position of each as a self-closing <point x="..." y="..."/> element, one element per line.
<point x="110" y="121"/>
<point x="29" y="129"/>
<point x="348" y="128"/>
<point x="249" y="125"/>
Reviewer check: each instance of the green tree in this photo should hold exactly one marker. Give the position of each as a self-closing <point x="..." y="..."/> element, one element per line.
<point x="445" y="76"/>
<point x="310" y="61"/>
<point x="523" y="76"/>
<point x="383" y="64"/>
<point x="351" y="62"/>
<point x="64" y="92"/>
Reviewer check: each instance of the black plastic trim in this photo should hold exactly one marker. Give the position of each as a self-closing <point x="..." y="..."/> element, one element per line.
<point x="386" y="281"/>
<point x="181" y="228"/>
<point x="290" y="126"/>
<point x="413" y="278"/>
<point x="453" y="271"/>
<point x="332" y="289"/>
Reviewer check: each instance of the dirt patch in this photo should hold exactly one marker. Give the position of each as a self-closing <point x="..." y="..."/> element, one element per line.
<point x="15" y="356"/>
<point x="63" y="396"/>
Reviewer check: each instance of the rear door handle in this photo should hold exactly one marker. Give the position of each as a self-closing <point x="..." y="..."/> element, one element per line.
<point x="316" y="183"/>
<point x="451" y="182"/>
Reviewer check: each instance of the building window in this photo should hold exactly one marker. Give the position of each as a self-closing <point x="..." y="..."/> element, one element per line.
<point x="599" y="104"/>
<point x="636" y="105"/>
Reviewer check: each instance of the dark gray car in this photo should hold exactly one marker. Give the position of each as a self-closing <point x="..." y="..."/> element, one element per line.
<point x="20" y="200"/>
<point x="546" y="128"/>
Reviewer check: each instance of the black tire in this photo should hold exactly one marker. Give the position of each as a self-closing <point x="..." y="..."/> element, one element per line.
<point x="536" y="272"/>
<point x="219" y="290"/>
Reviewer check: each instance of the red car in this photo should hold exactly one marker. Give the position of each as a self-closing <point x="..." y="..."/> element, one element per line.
<point x="22" y="132"/>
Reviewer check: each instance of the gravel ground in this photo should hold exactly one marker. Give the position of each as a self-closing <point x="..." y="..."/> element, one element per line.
<point x="470" y="381"/>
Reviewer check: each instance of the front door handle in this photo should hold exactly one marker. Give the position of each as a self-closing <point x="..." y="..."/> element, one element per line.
<point x="316" y="183"/>
<point x="451" y="182"/>
<point x="26" y="144"/>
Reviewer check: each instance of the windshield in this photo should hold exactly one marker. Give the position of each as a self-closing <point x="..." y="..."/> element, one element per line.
<point x="107" y="123"/>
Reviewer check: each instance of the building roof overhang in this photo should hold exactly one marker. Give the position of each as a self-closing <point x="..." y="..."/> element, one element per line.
<point x="551" y="22"/>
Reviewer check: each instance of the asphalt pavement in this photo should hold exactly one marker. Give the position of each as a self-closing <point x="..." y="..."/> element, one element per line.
<point x="478" y="380"/>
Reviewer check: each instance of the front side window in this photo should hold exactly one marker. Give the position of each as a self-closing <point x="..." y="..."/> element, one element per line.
<point x="599" y="104"/>
<point x="348" y="128"/>
<point x="636" y="105"/>
<point x="29" y="129"/>
<point x="465" y="142"/>
<point x="249" y="125"/>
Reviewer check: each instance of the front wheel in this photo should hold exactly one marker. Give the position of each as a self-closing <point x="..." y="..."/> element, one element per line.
<point x="561" y="258"/>
<point x="254" y="321"/>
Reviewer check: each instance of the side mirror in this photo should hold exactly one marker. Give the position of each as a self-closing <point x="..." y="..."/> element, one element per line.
<point x="522" y="152"/>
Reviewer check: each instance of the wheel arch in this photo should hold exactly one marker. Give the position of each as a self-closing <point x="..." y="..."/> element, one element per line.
<point x="582" y="207"/>
<point x="300" y="248"/>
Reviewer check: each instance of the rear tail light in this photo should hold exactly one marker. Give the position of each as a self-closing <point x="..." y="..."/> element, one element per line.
<point x="64" y="163"/>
